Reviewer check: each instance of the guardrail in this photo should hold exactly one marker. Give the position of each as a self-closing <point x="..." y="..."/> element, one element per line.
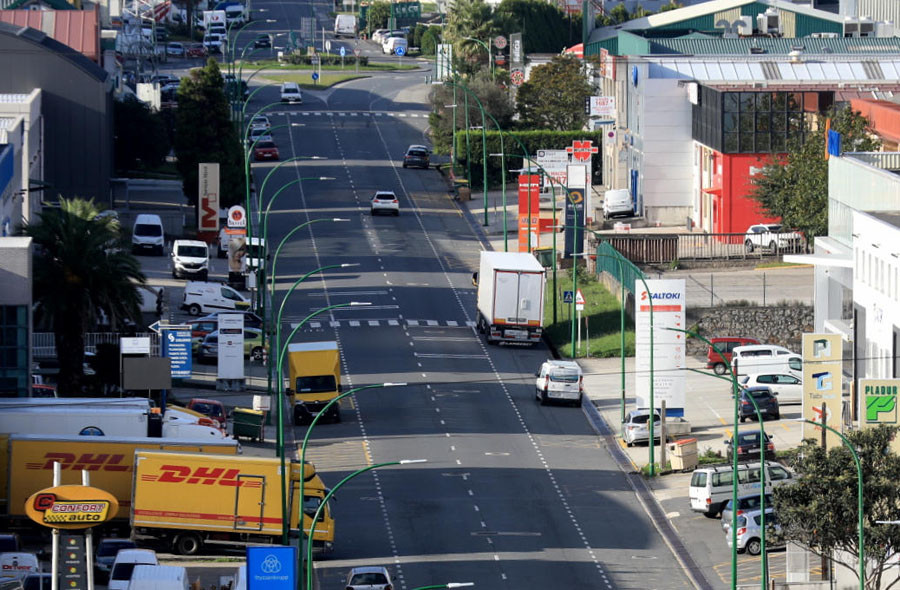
<point x="665" y="248"/>
<point x="43" y="344"/>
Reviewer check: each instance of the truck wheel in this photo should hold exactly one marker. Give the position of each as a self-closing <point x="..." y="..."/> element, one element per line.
<point x="719" y="369"/>
<point x="188" y="544"/>
<point x="194" y="309"/>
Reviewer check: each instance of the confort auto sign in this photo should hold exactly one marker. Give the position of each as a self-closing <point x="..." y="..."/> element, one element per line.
<point x="71" y="507"/>
<point x="662" y="301"/>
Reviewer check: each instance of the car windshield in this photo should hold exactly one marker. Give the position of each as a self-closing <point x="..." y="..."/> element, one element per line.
<point x="146" y="229"/>
<point x="316" y="384"/>
<point x="192" y="251"/>
<point x="110" y="548"/>
<point x="368" y="578"/>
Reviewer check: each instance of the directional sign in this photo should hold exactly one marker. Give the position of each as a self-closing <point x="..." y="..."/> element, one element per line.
<point x="400" y="51"/>
<point x="177" y="346"/>
<point x="567" y="297"/>
<point x="315" y="76"/>
<point x="343" y="51"/>
<point x="157" y="327"/>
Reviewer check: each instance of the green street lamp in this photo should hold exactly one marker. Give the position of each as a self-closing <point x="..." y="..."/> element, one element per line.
<point x="447" y="585"/>
<point x="486" y="48"/>
<point x="859" y="496"/>
<point x="483" y="146"/>
<point x="315" y="421"/>
<point x="328" y="496"/>
<point x="280" y="409"/>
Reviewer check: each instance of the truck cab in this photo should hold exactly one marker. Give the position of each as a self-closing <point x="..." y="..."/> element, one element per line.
<point x="315" y="379"/>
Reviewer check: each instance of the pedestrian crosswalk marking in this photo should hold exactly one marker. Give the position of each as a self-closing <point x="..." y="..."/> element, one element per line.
<point x="354" y="324"/>
<point x="431" y="322"/>
<point x="412" y="322"/>
<point x="393" y="323"/>
<point x="374" y="323"/>
<point x="386" y="322"/>
<point x="412" y="115"/>
<point x="452" y="324"/>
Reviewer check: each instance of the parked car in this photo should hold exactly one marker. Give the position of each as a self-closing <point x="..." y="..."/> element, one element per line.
<point x="200" y="297"/>
<point x="265" y="150"/>
<point x="392" y="44"/>
<point x="200" y="328"/>
<point x="748" y="446"/>
<point x="18" y="564"/>
<point x="559" y="381"/>
<point x="213" y="43"/>
<point x="38" y="582"/>
<point x="765" y="401"/>
<point x="148" y="234"/>
<point x="253" y="346"/>
<point x="416" y="155"/>
<point x="765" y="358"/>
<point x="212" y="408"/>
<point x="377" y="35"/>
<point x="772" y="237"/>
<point x="175" y="49"/>
<point x="636" y="427"/>
<point x="105" y="555"/>
<point x="385" y="201"/>
<point x="196" y="50"/>
<point x="745" y="504"/>
<point x="262" y="42"/>
<point x="290" y="93"/>
<point x="124" y="563"/>
<point x="719" y="363"/>
<point x="788" y="388"/>
<point x="369" y="578"/>
<point x="749" y="533"/>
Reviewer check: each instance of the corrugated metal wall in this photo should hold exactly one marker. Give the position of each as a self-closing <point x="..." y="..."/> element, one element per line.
<point x="880" y="10"/>
<point x="807" y="25"/>
<point x="860" y="182"/>
<point x="611" y="45"/>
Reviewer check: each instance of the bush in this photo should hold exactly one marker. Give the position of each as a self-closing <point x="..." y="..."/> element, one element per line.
<point x="327" y="59"/>
<point x="429" y="41"/>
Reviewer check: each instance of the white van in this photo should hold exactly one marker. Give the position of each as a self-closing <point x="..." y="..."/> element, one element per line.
<point x="617" y="202"/>
<point x="765" y="358"/>
<point x="711" y="487"/>
<point x="290" y="92"/>
<point x="190" y="259"/>
<point x="345" y="26"/>
<point x="126" y="561"/>
<point x="18" y="564"/>
<point x="391" y="44"/>
<point x="209" y="297"/>
<point x="159" y="577"/>
<point x="148" y="234"/>
<point x="559" y="380"/>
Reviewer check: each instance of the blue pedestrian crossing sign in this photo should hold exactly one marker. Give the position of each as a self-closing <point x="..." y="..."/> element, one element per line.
<point x="315" y="76"/>
<point x="400" y="51"/>
<point x="568" y="296"/>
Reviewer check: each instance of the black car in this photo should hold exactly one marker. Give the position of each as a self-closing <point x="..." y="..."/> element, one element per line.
<point x="765" y="401"/>
<point x="262" y="42"/>
<point x="416" y="155"/>
<point x="748" y="447"/>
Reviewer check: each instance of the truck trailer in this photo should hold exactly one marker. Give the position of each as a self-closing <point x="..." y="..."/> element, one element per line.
<point x="188" y="500"/>
<point x="26" y="464"/>
<point x="510" y="297"/>
<point x="315" y="379"/>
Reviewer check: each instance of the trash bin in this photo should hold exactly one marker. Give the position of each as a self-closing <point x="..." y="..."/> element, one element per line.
<point x="465" y="193"/>
<point x="683" y="454"/>
<point x="248" y="423"/>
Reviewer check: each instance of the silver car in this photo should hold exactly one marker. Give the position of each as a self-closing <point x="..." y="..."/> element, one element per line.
<point x="369" y="578"/>
<point x="749" y="536"/>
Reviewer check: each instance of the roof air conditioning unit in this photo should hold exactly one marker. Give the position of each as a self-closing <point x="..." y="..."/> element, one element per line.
<point x="866" y="27"/>
<point x="884" y="29"/>
<point x="744" y="26"/>
<point x="769" y="23"/>
<point x="757" y="50"/>
<point x="824" y="35"/>
<point x="851" y="27"/>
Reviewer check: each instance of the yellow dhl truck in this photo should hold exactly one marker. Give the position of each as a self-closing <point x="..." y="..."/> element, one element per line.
<point x="26" y="464"/>
<point x="314" y="369"/>
<point x="188" y="500"/>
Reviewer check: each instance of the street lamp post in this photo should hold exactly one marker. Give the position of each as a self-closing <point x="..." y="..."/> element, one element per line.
<point x="328" y="497"/>
<point x="483" y="147"/>
<point x="859" y="496"/>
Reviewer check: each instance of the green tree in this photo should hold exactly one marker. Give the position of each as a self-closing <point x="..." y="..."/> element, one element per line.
<point x="469" y="19"/>
<point x="377" y="16"/>
<point x="204" y="133"/>
<point x="82" y="269"/>
<point x="544" y="27"/>
<point x="672" y="5"/>
<point x="140" y="135"/>
<point x="794" y="187"/>
<point x="553" y="97"/>
<point x="819" y="510"/>
<point x="430" y="39"/>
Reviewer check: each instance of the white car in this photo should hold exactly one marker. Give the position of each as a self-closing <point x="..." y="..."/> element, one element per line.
<point x="379" y="34"/>
<point x="559" y="380"/>
<point x="124" y="564"/>
<point x="771" y="236"/>
<point x="175" y="49"/>
<point x="749" y="533"/>
<point x="260" y="122"/>
<point x="385" y="201"/>
<point x="369" y="578"/>
<point x="290" y="93"/>
<point x="788" y="388"/>
<point x="258" y="133"/>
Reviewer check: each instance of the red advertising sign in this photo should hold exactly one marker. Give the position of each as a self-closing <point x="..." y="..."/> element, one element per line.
<point x="529" y="210"/>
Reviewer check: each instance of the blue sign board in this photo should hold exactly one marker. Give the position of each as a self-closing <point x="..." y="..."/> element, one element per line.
<point x="343" y="51"/>
<point x="568" y="297"/>
<point x="400" y="51"/>
<point x="177" y="346"/>
<point x="273" y="567"/>
<point x="315" y="76"/>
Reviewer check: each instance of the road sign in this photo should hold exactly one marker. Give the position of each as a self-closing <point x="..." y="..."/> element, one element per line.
<point x="328" y="45"/>
<point x="140" y="345"/>
<point x="157" y="327"/>
<point x="315" y="76"/>
<point x="271" y="567"/>
<point x="579" y="300"/>
<point x="517" y="77"/>
<point x="177" y="346"/>
<point x="314" y="60"/>
<point x="400" y="51"/>
<point x="499" y="41"/>
<point x="237" y="217"/>
<point x="343" y="51"/>
<point x="357" y="51"/>
<point x="567" y="297"/>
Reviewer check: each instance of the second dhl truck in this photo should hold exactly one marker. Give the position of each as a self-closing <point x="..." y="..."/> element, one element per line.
<point x="314" y="369"/>
<point x="188" y="500"/>
<point x="26" y="464"/>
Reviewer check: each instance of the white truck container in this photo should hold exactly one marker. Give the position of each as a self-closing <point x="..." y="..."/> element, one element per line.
<point x="345" y="26"/>
<point x="211" y="17"/>
<point x="510" y="297"/>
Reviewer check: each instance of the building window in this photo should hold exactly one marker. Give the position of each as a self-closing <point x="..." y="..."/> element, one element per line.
<point x="763" y="122"/>
<point x="14" y="369"/>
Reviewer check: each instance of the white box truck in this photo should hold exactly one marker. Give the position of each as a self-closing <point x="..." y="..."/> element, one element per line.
<point x="510" y="297"/>
<point x="345" y="26"/>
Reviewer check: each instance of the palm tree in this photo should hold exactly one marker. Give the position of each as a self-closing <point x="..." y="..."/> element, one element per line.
<point x="82" y="267"/>
<point x="470" y="18"/>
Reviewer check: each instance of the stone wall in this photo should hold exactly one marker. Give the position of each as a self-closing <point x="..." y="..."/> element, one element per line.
<point x="781" y="325"/>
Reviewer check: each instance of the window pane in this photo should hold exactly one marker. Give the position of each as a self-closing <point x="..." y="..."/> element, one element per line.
<point x="729" y="122"/>
<point x="731" y="143"/>
<point x="747" y="142"/>
<point x="795" y="121"/>
<point x="762" y="121"/>
<point x="762" y="142"/>
<point x="763" y="101"/>
<point x="748" y="102"/>
<point x="731" y="102"/>
<point x="780" y="101"/>
<point x="747" y="123"/>
<point x="777" y="142"/>
<point x="779" y="122"/>
<point x="795" y="101"/>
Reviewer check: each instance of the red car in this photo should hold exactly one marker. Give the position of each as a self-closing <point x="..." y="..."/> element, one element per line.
<point x="195" y="50"/>
<point x="212" y="408"/>
<point x="720" y="363"/>
<point x="265" y="150"/>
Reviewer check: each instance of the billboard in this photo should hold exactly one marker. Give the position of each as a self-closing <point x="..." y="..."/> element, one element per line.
<point x="822" y="378"/>
<point x="669" y="304"/>
<point x="879" y="405"/>
<point x="603" y="106"/>
<point x="529" y="196"/>
<point x="444" y="62"/>
<point x="208" y="219"/>
<point x="231" y="346"/>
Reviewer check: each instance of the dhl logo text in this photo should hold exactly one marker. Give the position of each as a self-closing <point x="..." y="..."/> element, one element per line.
<point x="82" y="462"/>
<point x="201" y="475"/>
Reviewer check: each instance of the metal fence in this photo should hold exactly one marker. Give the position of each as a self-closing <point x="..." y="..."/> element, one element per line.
<point x="43" y="344"/>
<point x="607" y="257"/>
<point x="665" y="248"/>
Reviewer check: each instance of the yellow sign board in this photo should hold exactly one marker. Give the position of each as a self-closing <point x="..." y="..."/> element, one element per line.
<point x="822" y="385"/>
<point x="71" y="507"/>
